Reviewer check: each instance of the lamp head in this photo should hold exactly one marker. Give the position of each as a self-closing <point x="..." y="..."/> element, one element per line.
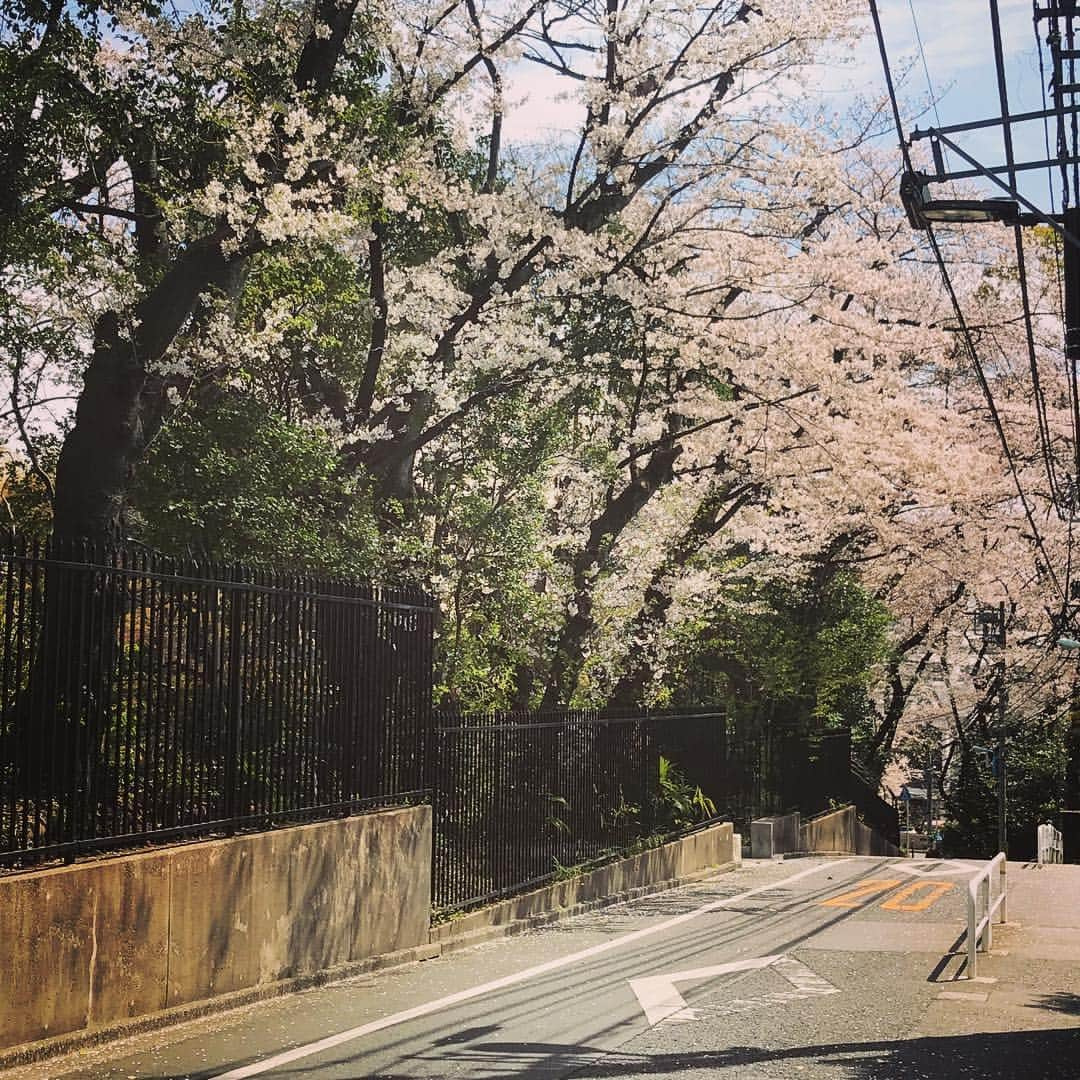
<point x="922" y="211"/>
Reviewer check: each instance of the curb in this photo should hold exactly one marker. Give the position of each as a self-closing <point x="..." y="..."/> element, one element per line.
<point x="456" y="943"/>
<point x="181" y="1014"/>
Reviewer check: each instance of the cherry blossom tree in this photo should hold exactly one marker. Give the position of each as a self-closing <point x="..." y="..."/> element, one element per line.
<point x="591" y="386"/>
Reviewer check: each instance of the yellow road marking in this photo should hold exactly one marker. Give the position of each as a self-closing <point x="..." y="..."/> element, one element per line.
<point x="858" y="896"/>
<point x="934" y="891"/>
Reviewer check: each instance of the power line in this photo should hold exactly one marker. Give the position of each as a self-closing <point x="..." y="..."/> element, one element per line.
<point x="1010" y="161"/>
<point x="965" y="331"/>
<point x="995" y="416"/>
<point x="1065" y="150"/>
<point x="925" y="66"/>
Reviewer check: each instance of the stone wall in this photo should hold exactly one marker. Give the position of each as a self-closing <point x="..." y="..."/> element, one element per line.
<point x="775" y="836"/>
<point x="98" y="943"/>
<point x="672" y="862"/>
<point x="841" y="832"/>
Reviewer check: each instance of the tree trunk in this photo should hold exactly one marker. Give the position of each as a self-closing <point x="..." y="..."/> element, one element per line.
<point x="56" y="724"/>
<point x="620" y="511"/>
<point x="721" y="503"/>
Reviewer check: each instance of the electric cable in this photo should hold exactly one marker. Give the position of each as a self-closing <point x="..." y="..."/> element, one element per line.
<point x="1054" y="41"/>
<point x="1010" y="161"/>
<point x="925" y="66"/>
<point x="965" y="331"/>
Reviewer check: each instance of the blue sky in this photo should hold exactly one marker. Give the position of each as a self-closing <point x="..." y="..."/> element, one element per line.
<point x="958" y="44"/>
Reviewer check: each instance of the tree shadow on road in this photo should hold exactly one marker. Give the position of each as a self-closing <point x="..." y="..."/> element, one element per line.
<point x="1060" y="1002"/>
<point x="1032" y="1055"/>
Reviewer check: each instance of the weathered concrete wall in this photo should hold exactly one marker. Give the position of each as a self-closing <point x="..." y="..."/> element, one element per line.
<point x="842" y="832"/>
<point x="771" y="836"/>
<point x="94" y="944"/>
<point x="869" y="842"/>
<point x="712" y="847"/>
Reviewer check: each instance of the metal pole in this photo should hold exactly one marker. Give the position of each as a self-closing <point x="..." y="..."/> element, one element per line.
<point x="929" y="798"/>
<point x="1072" y="323"/>
<point x="1003" y="834"/>
<point x="1001" y="789"/>
<point x="1070" y="818"/>
<point x="231" y="793"/>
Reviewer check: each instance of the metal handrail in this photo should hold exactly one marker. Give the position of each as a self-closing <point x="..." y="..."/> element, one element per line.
<point x="982" y="929"/>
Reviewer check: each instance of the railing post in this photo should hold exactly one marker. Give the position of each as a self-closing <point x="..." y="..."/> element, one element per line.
<point x="650" y="779"/>
<point x="1004" y="886"/>
<point x="236" y="704"/>
<point x="973" y="922"/>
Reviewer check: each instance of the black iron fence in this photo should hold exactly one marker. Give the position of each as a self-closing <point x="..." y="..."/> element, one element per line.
<point x="520" y="797"/>
<point x="143" y="698"/>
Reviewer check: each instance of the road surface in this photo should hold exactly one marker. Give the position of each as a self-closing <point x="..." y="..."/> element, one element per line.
<point x="808" y="969"/>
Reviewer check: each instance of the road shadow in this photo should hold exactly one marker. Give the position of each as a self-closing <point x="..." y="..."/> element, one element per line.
<point x="1062" y="1002"/>
<point x="1032" y="1055"/>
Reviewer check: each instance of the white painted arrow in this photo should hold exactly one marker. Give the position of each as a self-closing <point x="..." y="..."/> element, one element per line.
<point x="947" y="868"/>
<point x="662" y="1002"/>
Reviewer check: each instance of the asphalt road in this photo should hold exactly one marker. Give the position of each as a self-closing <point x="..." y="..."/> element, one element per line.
<point x="803" y="969"/>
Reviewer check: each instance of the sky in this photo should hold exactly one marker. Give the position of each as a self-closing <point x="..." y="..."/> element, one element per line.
<point x="959" y="58"/>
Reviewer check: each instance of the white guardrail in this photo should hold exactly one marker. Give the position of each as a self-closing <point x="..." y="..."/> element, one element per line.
<point x="980" y="927"/>
<point x="1051" y="849"/>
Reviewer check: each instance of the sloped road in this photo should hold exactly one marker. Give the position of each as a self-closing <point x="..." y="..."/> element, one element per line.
<point x="810" y="969"/>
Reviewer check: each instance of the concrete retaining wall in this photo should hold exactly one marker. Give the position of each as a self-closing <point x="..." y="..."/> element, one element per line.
<point x="841" y="831"/>
<point x="95" y="944"/>
<point x="680" y="859"/>
<point x="775" y="836"/>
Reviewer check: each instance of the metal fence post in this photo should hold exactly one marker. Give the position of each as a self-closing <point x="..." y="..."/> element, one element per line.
<point x="650" y="781"/>
<point x="235" y="709"/>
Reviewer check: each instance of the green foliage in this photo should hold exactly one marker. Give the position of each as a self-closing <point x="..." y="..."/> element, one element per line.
<point x="805" y="652"/>
<point x="486" y="501"/>
<point x="680" y="804"/>
<point x="230" y="481"/>
<point x="566" y="873"/>
<point x="25" y="501"/>
<point x="1036" y="759"/>
<point x="318" y="362"/>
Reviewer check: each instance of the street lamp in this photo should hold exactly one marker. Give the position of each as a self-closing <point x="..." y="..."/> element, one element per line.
<point x="922" y="211"/>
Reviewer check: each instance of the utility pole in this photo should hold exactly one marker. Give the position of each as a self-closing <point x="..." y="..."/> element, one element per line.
<point x="1070" y="816"/>
<point x="1059" y="20"/>
<point x="990" y="621"/>
<point x="1003" y="699"/>
<point x="1072" y="323"/>
<point x="930" y="795"/>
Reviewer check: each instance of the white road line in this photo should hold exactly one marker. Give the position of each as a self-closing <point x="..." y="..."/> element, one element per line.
<point x="662" y="1002"/>
<point x="802" y="978"/>
<point x="947" y="868"/>
<point x="257" y="1068"/>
